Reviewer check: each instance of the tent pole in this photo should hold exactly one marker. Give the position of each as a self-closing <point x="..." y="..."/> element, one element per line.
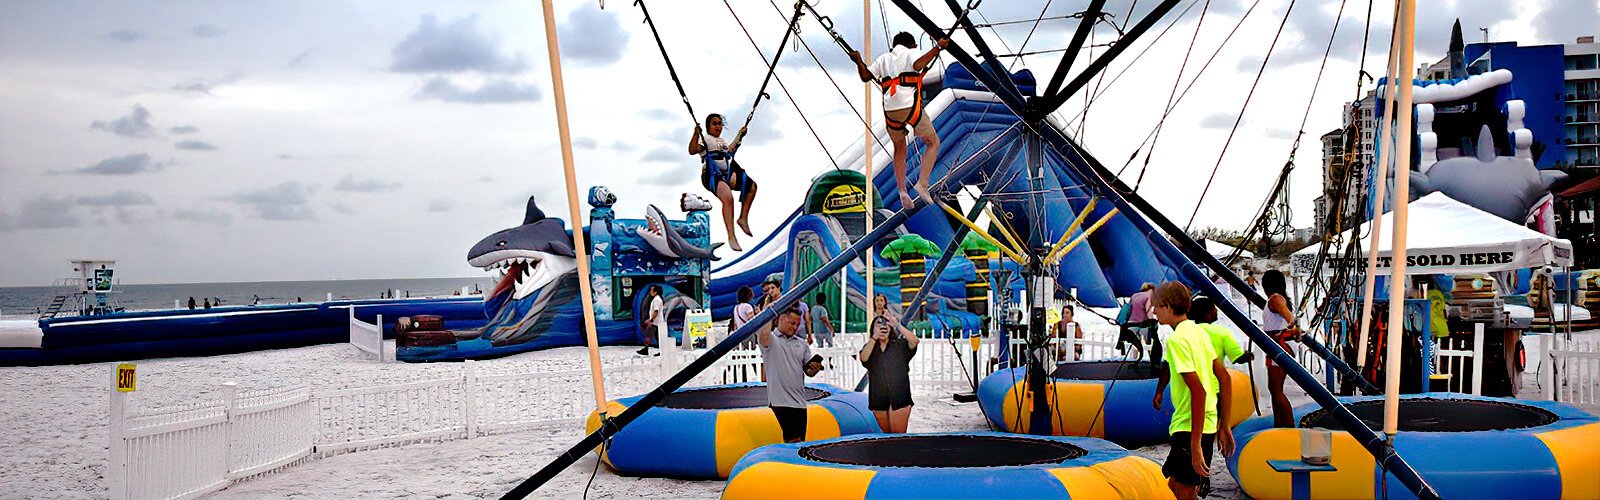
<point x="1381" y="183"/>
<point x="1402" y="183"/>
<point x="578" y="244"/>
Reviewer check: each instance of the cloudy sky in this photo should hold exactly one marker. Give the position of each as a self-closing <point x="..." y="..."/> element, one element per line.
<point x="237" y="141"/>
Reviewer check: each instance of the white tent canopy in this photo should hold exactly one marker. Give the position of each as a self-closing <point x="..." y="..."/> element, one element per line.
<point x="1219" y="249"/>
<point x="1446" y="236"/>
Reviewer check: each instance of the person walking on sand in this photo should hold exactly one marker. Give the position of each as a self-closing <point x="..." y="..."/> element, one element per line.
<point x="1199" y="403"/>
<point x="721" y="174"/>
<point x="899" y="74"/>
<point x="821" y="324"/>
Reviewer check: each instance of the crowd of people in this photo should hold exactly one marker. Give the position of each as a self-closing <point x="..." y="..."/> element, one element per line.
<point x="1191" y="362"/>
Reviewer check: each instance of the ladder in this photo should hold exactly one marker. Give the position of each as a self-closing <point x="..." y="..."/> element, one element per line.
<point x="54" y="308"/>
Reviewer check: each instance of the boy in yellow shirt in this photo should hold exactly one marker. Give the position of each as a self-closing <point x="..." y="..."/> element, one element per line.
<point x="1200" y="401"/>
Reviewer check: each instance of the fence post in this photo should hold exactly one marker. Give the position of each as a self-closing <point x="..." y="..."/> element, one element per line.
<point x="230" y="399"/>
<point x="117" y="468"/>
<point x="1477" y="359"/>
<point x="469" y="397"/>
<point x="383" y="352"/>
<point x="1548" y="366"/>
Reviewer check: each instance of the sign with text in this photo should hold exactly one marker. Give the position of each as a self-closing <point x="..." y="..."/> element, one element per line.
<point x="699" y="324"/>
<point x="127" y="379"/>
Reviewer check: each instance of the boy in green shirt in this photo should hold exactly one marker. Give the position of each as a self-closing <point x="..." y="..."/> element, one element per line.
<point x="1200" y="401"/>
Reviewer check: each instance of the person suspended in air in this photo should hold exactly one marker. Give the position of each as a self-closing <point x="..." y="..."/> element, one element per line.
<point x="722" y="175"/>
<point x="899" y="74"/>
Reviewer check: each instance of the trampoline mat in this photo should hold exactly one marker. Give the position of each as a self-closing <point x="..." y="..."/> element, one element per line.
<point x="722" y="398"/>
<point x="1104" y="370"/>
<point x="1441" y="415"/>
<point x="943" y="451"/>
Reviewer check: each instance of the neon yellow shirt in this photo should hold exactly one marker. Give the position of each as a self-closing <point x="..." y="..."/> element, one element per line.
<point x="1222" y="342"/>
<point x="1189" y="350"/>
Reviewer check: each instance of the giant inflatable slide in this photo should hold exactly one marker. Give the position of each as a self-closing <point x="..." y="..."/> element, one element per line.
<point x="537" y="303"/>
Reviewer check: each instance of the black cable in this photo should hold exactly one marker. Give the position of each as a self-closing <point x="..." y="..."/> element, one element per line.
<point x="785" y="88"/>
<point x="772" y="67"/>
<point x="1192" y="81"/>
<point x="1170" y="96"/>
<point x="1240" y="119"/>
<point x="831" y="79"/>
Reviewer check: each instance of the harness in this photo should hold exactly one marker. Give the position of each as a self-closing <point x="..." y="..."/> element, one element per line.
<point x="891" y="86"/>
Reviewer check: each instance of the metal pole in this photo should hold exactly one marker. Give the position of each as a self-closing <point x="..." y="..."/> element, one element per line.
<point x="1381" y="181"/>
<point x="1402" y="183"/>
<point x="578" y="244"/>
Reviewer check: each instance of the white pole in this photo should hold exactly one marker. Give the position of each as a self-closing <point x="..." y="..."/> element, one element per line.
<point x="1402" y="186"/>
<point x="117" y="469"/>
<point x="230" y="395"/>
<point x="1380" y="185"/>
<point x="383" y="350"/>
<point x="1477" y="359"/>
<point x="558" y="88"/>
<point x="867" y="154"/>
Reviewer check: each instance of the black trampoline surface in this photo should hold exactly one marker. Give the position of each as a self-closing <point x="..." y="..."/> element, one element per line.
<point x="1104" y="370"/>
<point x="723" y="398"/>
<point x="943" y="451"/>
<point x="1441" y="415"/>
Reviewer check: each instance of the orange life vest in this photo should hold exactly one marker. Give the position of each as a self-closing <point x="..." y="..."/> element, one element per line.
<point x="910" y="79"/>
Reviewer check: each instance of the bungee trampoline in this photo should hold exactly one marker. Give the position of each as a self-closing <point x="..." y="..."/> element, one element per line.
<point x="946" y="465"/>
<point x="1104" y="399"/>
<point x="1465" y="446"/>
<point x="700" y="433"/>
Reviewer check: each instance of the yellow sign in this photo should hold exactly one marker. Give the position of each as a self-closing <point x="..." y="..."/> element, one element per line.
<point x="844" y="199"/>
<point x="699" y="324"/>
<point x="127" y="377"/>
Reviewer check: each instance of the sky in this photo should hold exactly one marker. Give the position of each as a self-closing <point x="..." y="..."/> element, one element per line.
<point x="294" y="140"/>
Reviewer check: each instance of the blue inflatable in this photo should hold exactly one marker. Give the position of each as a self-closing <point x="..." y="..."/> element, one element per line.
<point x="1104" y="399"/>
<point x="1465" y="446"/>
<point x="700" y="433"/>
<point x="953" y="465"/>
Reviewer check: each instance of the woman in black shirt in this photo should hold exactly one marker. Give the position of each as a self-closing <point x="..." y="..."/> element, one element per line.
<point x="887" y="356"/>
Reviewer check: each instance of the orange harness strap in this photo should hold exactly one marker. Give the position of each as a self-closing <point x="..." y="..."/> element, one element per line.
<point x="892" y="85"/>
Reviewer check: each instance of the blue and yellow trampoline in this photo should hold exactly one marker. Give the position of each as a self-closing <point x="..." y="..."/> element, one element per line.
<point x="1465" y="446"/>
<point x="1104" y="399"/>
<point x="954" y="465"/>
<point x="700" y="433"/>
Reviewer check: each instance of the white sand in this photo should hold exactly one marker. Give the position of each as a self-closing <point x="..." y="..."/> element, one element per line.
<point x="54" y="436"/>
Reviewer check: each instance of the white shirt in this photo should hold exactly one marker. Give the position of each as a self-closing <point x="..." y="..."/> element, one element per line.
<point x="659" y="315"/>
<point x="714" y="143"/>
<point x="900" y="60"/>
<point x="741" y="315"/>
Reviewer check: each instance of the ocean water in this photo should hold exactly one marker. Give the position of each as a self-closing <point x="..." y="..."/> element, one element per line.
<point x="21" y="302"/>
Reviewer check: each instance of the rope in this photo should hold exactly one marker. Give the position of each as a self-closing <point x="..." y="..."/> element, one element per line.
<point x="828" y="25"/>
<point x="693" y="118"/>
<point x="1170" y="96"/>
<point x="1239" y="119"/>
<point x="785" y="88"/>
<point x="772" y="67"/>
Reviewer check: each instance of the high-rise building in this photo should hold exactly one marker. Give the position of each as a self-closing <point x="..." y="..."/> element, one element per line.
<point x="1581" y="111"/>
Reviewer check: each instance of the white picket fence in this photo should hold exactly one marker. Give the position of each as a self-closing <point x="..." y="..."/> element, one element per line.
<point x="1571" y="371"/>
<point x="1453" y="357"/>
<point x="368" y="337"/>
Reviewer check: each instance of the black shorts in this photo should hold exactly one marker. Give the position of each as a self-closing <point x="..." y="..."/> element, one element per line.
<point x="1180" y="462"/>
<point x="792" y="421"/>
<point x="892" y="399"/>
<point x="729" y="171"/>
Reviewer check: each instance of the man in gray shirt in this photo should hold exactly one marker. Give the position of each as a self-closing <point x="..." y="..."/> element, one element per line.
<point x="788" y="362"/>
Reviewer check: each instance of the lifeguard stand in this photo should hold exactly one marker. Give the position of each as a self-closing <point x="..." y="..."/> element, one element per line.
<point x="95" y="281"/>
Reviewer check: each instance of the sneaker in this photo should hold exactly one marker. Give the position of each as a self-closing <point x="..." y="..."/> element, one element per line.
<point x="644" y="351"/>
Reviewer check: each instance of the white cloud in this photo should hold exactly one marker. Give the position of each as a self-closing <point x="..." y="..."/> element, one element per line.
<point x="352" y="184"/>
<point x="452" y="47"/>
<point x="136" y="125"/>
<point x="493" y="91"/>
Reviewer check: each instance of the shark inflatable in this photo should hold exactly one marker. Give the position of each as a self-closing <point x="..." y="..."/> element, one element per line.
<point x="667" y="241"/>
<point x="1511" y="187"/>
<point x="533" y="305"/>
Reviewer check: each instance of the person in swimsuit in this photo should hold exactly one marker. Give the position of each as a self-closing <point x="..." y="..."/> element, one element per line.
<point x="1068" y="328"/>
<point x="1279" y="323"/>
<point x="721" y="175"/>
<point x="887" y="355"/>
